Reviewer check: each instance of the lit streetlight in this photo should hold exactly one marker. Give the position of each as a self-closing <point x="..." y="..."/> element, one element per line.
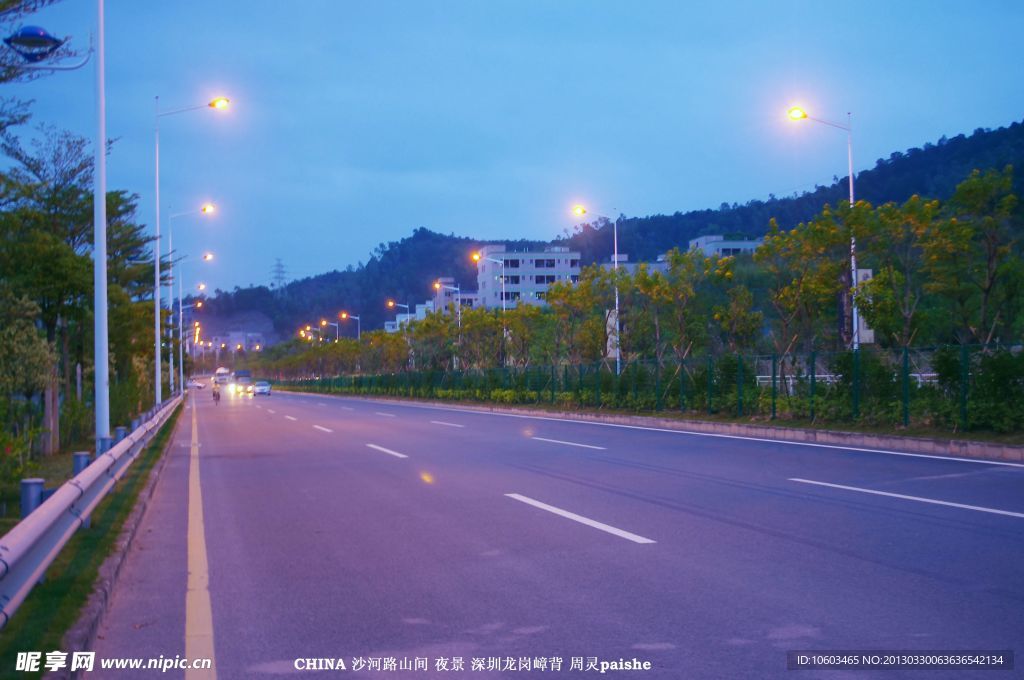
<point x="345" y="316"/>
<point x="219" y="103"/>
<point x="337" y="328"/>
<point x="438" y="286"/>
<point x="205" y="209"/>
<point x="580" y="211"/>
<point x="797" y="113"/>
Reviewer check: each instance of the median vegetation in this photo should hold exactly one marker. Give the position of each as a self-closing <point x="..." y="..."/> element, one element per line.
<point x="766" y="336"/>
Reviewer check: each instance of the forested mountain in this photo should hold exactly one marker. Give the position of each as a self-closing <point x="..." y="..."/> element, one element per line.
<point x="405" y="269"/>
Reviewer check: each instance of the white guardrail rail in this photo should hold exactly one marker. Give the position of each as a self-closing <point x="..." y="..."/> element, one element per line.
<point x="31" y="546"/>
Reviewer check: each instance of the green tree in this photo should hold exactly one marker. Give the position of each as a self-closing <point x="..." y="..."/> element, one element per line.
<point x="893" y="243"/>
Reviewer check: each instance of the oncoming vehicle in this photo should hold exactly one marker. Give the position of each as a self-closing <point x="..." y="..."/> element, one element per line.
<point x="262" y="387"/>
<point x="221" y="376"/>
<point x="242" y="386"/>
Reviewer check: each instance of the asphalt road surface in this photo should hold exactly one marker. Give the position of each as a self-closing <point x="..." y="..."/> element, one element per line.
<point x="311" y="527"/>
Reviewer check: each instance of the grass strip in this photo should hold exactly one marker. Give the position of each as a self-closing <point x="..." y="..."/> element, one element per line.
<point x="53" y="606"/>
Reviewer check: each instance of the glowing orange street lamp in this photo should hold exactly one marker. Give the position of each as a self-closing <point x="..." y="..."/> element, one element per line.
<point x="797" y="113"/>
<point x="345" y="316"/>
<point x="580" y="210"/>
<point x="219" y="103"/>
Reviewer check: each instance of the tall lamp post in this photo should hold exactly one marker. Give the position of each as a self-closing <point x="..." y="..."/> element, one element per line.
<point x="797" y="113"/>
<point x="458" y="300"/>
<point x="580" y="211"/>
<point x="205" y="209"/>
<point x="478" y="257"/>
<point x="345" y="315"/>
<point x="438" y="286"/>
<point x="34" y="44"/>
<point x="218" y="104"/>
<point x="337" y="328"/>
<point x="408" y="322"/>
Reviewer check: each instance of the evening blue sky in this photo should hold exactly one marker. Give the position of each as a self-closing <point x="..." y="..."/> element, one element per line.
<point x="354" y="122"/>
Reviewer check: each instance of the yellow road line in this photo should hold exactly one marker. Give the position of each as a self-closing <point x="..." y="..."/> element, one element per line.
<point x="198" y="613"/>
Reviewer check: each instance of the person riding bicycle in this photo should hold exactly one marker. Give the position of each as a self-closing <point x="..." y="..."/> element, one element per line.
<point x="216" y="394"/>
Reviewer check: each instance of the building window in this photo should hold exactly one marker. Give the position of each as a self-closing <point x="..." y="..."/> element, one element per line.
<point x="512" y="279"/>
<point x="512" y="264"/>
<point x="545" y="264"/>
<point x="545" y="278"/>
<point x="541" y="294"/>
<point x="575" y="278"/>
<point x="512" y="295"/>
<point x="574" y="263"/>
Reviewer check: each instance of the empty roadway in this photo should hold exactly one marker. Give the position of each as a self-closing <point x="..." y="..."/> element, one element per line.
<point x="367" y="528"/>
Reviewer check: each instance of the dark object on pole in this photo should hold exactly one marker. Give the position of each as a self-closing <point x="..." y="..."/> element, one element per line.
<point x="33" y="43"/>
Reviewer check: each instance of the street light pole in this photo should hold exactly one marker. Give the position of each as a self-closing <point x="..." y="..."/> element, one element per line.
<point x="101" y="359"/>
<point x="580" y="211"/>
<point x="615" y="268"/>
<point x="359" y="333"/>
<point x="337" y="328"/>
<point x="34" y="44"/>
<point x="206" y="209"/>
<point x="157" y="288"/>
<point x="458" y="313"/>
<point x="216" y="104"/>
<point x="797" y="113"/>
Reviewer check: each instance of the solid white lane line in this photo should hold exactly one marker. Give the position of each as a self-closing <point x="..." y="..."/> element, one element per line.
<point x="396" y="454"/>
<point x="648" y="428"/>
<point x="347" y="408"/>
<point x="291" y="418"/>
<point x="386" y="415"/>
<point x="322" y="429"/>
<point x="270" y="410"/>
<point x="910" y="498"/>
<point x="559" y="441"/>
<point x="581" y="519"/>
<point x="441" y="422"/>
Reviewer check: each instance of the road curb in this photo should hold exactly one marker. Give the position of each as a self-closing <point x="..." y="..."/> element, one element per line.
<point x="953" y="448"/>
<point x="81" y="637"/>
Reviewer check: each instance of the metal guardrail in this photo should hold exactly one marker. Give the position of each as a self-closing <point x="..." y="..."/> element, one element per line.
<point x="27" y="550"/>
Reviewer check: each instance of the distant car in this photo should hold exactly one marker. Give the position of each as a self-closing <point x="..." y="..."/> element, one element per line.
<point x="196" y="384"/>
<point x="242" y="386"/>
<point x="262" y="387"/>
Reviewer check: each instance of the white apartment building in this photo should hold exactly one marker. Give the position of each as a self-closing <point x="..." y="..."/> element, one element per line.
<point x="528" y="274"/>
<point x="717" y="245"/>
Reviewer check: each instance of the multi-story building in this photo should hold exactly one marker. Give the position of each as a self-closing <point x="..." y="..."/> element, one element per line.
<point x="528" y="274"/>
<point x="717" y="245"/>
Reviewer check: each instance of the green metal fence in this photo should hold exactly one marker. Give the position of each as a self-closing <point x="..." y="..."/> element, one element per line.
<point x="953" y="388"/>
